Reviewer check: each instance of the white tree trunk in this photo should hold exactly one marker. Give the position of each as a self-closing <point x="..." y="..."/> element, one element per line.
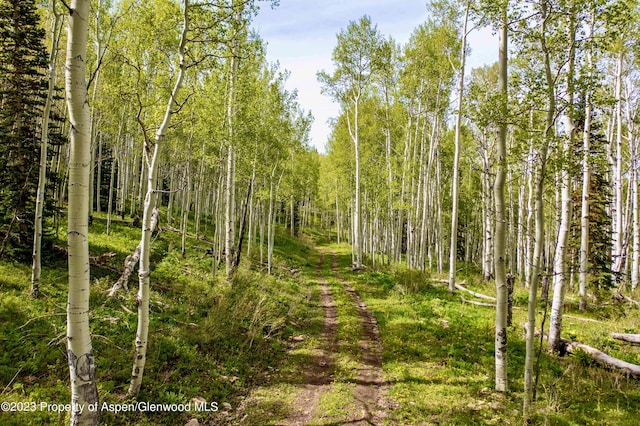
<point x="357" y="219"/>
<point x="586" y="183"/>
<point x="230" y="187"/>
<point x="110" y="197"/>
<point x="44" y="143"/>
<point x="186" y="203"/>
<point x="618" y="226"/>
<point x="560" y="259"/>
<point x="453" y="246"/>
<point x="536" y="270"/>
<point x="500" y="237"/>
<point x="228" y="221"/>
<point x="149" y="204"/>
<point x="82" y="366"/>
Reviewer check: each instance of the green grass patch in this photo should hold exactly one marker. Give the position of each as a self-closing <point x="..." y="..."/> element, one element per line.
<point x="438" y="356"/>
<point x="208" y="339"/>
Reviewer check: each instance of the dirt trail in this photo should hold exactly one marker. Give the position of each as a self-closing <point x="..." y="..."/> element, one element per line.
<point x="370" y="390"/>
<point x="370" y="405"/>
<point x="319" y="373"/>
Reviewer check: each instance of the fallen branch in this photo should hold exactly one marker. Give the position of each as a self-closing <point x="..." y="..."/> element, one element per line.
<point x="581" y="319"/>
<point x="602" y="358"/>
<point x="631" y="338"/>
<point x="102" y="259"/>
<point x="461" y="286"/>
<point x="478" y="295"/>
<point x="132" y="260"/>
<point x="473" y="302"/>
<point x="630" y="300"/>
<point x="188" y="235"/>
<point x="440" y="280"/>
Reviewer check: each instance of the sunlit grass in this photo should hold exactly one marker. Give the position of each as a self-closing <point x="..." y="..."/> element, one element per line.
<point x="438" y="356"/>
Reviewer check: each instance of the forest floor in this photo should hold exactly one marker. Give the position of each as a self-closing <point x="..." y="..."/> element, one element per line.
<point x="392" y="346"/>
<point x="358" y="389"/>
<point x="341" y="380"/>
<point x="313" y="343"/>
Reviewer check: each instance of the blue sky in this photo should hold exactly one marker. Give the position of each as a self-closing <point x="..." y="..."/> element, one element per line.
<point x="301" y="34"/>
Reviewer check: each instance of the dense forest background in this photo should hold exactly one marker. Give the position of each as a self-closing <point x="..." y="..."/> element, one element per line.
<point x="162" y="144"/>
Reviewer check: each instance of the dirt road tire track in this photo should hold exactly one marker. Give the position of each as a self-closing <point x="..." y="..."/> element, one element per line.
<point x="370" y="389"/>
<point x="319" y="374"/>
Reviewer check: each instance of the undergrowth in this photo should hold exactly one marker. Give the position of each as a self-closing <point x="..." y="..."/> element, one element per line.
<point x="209" y="339"/>
<point x="253" y="339"/>
<point x="439" y="356"/>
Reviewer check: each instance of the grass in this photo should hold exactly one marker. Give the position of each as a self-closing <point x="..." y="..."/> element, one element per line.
<point x="208" y="339"/>
<point x="438" y="358"/>
<point x="231" y="343"/>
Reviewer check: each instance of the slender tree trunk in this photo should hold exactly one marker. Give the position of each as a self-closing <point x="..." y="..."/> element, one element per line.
<point x="199" y="190"/>
<point x="186" y="204"/>
<point x="82" y="366"/>
<point x="357" y="219"/>
<point x="560" y="261"/>
<point x="586" y="184"/>
<point x="273" y="198"/>
<point x="171" y="194"/>
<point x="44" y="143"/>
<point x="453" y="246"/>
<point x="499" y="246"/>
<point x="262" y="217"/>
<point x="99" y="174"/>
<point x="243" y="222"/>
<point x="110" y="197"/>
<point x="618" y="226"/>
<point x="230" y="188"/>
<point x="149" y="204"/>
<point x="337" y="215"/>
<point x="633" y="189"/>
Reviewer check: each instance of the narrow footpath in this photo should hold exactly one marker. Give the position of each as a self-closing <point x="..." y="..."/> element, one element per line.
<point x="338" y="367"/>
<point x="368" y="402"/>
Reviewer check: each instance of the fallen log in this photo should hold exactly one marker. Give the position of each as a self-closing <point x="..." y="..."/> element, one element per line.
<point x="132" y="260"/>
<point x="631" y="338"/>
<point x="473" y="302"/>
<point x="630" y="300"/>
<point x="581" y="319"/>
<point x="602" y="358"/>
<point x="441" y="280"/>
<point x="102" y="259"/>
<point x="478" y="295"/>
<point x="460" y="286"/>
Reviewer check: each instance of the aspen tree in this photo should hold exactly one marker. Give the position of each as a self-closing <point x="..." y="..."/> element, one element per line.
<point x="82" y="366"/>
<point x="617" y="254"/>
<point x="355" y="57"/>
<point x="36" y="268"/>
<point x="586" y="181"/>
<point x="453" y="247"/>
<point x="230" y="180"/>
<point x="149" y="205"/>
<point x="560" y="261"/>
<point x="500" y="231"/>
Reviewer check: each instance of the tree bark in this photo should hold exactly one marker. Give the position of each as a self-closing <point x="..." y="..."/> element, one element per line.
<point x="82" y="366"/>
<point x="453" y="246"/>
<point x="36" y="268"/>
<point x="149" y="205"/>
<point x="499" y="247"/>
